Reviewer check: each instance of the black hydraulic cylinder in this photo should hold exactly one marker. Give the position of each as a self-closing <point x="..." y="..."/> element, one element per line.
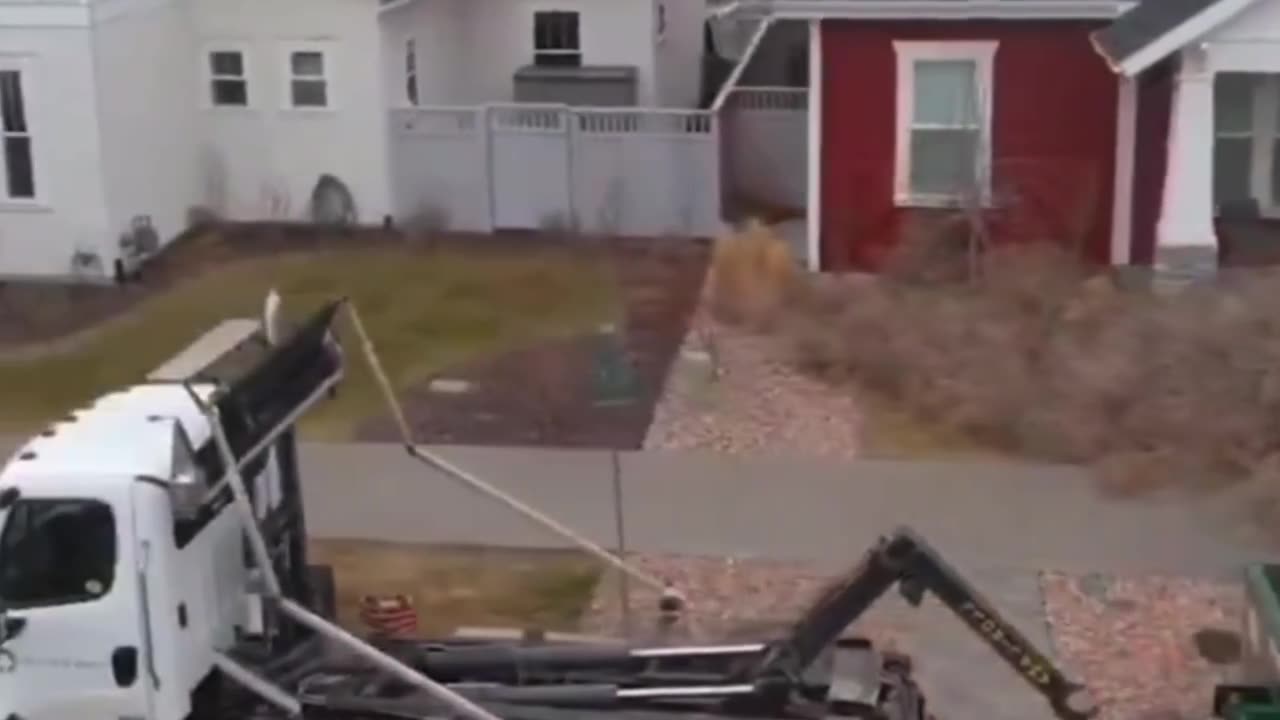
<point x="513" y="659"/>
<point x="581" y="695"/>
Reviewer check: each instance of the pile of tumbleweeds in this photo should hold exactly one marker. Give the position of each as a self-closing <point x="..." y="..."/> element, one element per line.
<point x="1130" y="640"/>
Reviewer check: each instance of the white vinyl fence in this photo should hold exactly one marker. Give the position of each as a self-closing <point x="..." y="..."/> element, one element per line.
<point x="766" y="144"/>
<point x="630" y="172"/>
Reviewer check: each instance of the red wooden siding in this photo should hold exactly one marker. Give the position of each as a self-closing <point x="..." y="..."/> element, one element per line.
<point x="1155" y="100"/>
<point x="1054" y="108"/>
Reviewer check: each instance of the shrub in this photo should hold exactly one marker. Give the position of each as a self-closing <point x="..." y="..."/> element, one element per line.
<point x="1044" y="358"/>
<point x="752" y="273"/>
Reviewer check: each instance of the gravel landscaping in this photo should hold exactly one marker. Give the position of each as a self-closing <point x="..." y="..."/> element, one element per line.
<point x="1131" y="640"/>
<point x="734" y="392"/>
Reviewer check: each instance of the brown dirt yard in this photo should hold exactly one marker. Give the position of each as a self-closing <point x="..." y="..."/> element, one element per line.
<point x="515" y="316"/>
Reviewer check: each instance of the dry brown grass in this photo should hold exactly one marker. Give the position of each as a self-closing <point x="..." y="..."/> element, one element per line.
<point x="752" y="273"/>
<point x="462" y="586"/>
<point x="1035" y="355"/>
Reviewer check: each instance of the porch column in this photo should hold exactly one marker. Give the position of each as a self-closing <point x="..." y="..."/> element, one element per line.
<point x="813" y="181"/>
<point x="1186" y="245"/>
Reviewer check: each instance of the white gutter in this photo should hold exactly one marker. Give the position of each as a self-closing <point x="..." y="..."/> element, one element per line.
<point x="931" y="9"/>
<point x="732" y="81"/>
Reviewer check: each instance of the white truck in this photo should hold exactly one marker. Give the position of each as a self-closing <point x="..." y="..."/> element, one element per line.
<point x="124" y="570"/>
<point x="153" y="566"/>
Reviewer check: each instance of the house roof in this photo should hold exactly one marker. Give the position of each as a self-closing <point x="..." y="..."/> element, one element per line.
<point x="930" y="9"/>
<point x="1154" y="29"/>
<point x="1140" y="34"/>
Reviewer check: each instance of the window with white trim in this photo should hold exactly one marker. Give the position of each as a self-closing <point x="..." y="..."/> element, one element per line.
<point x="1246" y="142"/>
<point x="411" y="71"/>
<point x="943" y="148"/>
<point x="228" y="78"/>
<point x="1234" y="101"/>
<point x="16" y="152"/>
<point x="308" y="74"/>
<point x="556" y="42"/>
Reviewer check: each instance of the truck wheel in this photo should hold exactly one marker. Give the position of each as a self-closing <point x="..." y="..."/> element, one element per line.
<point x="323" y="600"/>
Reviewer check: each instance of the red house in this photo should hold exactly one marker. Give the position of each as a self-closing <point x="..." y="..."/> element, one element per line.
<point x="1083" y="121"/>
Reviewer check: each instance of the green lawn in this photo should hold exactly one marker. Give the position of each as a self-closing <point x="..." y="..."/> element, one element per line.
<point x="423" y="311"/>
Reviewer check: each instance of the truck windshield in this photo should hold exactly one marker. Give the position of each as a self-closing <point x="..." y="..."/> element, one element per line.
<point x="56" y="552"/>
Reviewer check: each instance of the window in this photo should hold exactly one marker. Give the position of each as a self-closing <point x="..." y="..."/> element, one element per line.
<point x="555" y="39"/>
<point x="410" y="72"/>
<point x="944" y="110"/>
<point x="56" y="552"/>
<point x="1234" y="107"/>
<point x="1275" y="143"/>
<point x="228" y="81"/>
<point x="308" y="79"/>
<point x="19" y="167"/>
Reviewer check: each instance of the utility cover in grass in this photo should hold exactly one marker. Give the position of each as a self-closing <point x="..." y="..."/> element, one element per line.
<point x="615" y="378"/>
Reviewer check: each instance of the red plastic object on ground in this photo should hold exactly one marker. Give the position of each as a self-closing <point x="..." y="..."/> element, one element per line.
<point x="389" y="615"/>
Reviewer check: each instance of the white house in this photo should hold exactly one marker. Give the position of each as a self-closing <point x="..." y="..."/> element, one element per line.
<point x="466" y="52"/>
<point x="120" y="114"/>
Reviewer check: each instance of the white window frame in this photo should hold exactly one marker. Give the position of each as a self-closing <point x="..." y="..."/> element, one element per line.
<point x="412" y="93"/>
<point x="23" y="66"/>
<point x="1265" y="133"/>
<point x="982" y="53"/>
<point x="533" y="21"/>
<point x="327" y="53"/>
<point x="207" y="75"/>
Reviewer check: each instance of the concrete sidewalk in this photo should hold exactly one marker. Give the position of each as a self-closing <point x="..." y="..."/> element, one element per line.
<point x="999" y="523"/>
<point x="982" y="515"/>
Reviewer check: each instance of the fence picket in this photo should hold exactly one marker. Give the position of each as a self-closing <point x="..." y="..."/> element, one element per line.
<point x="623" y="171"/>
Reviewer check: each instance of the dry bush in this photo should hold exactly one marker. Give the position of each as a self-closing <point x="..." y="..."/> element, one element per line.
<point x="1044" y="358"/>
<point x="752" y="274"/>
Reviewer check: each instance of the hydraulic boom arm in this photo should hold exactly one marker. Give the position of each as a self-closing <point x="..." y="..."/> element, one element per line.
<point x="905" y="559"/>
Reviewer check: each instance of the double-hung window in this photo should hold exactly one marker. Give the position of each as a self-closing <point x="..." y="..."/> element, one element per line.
<point x="1235" y="107"/>
<point x="309" y="72"/>
<point x="228" y="78"/>
<point x="943" y="139"/>
<point x="1246" y="141"/>
<point x="16" y="152"/>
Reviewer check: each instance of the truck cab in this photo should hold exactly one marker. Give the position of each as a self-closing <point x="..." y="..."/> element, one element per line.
<point x="123" y="566"/>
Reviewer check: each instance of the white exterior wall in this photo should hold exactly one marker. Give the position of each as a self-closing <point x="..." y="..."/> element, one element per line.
<point x="262" y="162"/>
<point x="678" y="53"/>
<point x="486" y="41"/>
<point x="148" y="88"/>
<point x="1247" y="42"/>
<point x="437" y="28"/>
<point x="52" y="45"/>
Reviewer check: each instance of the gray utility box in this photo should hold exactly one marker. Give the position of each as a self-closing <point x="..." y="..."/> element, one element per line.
<point x="594" y="85"/>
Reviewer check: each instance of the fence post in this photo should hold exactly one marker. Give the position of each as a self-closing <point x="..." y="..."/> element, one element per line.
<point x="485" y="127"/>
<point x="569" y="116"/>
<point x="624" y="584"/>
